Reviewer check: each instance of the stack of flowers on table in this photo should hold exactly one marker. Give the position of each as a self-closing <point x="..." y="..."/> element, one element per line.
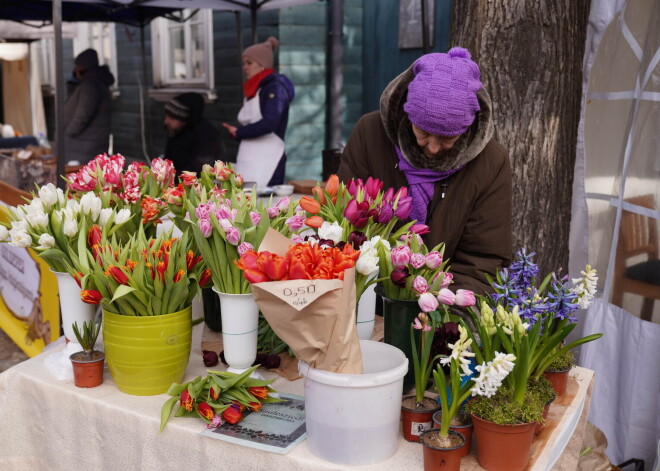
<point x="312" y="287"/>
<point x="145" y="287"/>
<point x="217" y="398"/>
<point x="530" y="324"/>
<point x="141" y="190"/>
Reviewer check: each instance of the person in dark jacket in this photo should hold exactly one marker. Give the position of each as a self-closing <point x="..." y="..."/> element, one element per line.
<point x="191" y="140"/>
<point x="434" y="134"/>
<point x="264" y="116"/>
<point x="87" y="111"/>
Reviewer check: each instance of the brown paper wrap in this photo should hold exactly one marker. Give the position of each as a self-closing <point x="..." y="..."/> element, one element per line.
<point x="316" y="318"/>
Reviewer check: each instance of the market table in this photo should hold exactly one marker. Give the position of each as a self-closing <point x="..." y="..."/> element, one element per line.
<point x="46" y="424"/>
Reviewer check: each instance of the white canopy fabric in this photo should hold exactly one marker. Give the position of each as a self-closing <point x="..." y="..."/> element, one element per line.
<point x="33" y="30"/>
<point x="618" y="158"/>
<point x="246" y="5"/>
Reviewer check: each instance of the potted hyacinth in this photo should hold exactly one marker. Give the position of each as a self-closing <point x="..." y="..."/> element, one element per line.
<point x="88" y="364"/>
<point x="145" y="288"/>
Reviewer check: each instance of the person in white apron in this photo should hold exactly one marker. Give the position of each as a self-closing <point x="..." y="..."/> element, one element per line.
<point x="263" y="117"/>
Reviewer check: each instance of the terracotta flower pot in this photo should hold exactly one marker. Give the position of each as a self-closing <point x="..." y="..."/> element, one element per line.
<point x="416" y="420"/>
<point x="503" y="447"/>
<point x="437" y="458"/>
<point x="463" y="429"/>
<point x="87" y="372"/>
<point x="546" y="410"/>
<point x="559" y="380"/>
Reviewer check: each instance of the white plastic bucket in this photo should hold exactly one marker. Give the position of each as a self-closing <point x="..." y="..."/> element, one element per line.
<point x="354" y="419"/>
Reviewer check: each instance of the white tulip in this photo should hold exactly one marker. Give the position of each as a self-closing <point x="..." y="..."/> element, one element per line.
<point x="91" y="204"/>
<point x="73" y="206"/>
<point x="4" y="233"/>
<point x="35" y="206"/>
<point x="20" y="238"/>
<point x="122" y="216"/>
<point x="20" y="225"/>
<point x="104" y="216"/>
<point x="70" y="227"/>
<point x="49" y="195"/>
<point x="46" y="241"/>
<point x="367" y="263"/>
<point x="38" y="220"/>
<point x="331" y="232"/>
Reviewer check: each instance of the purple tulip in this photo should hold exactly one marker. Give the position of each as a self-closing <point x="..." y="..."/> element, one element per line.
<point x="433" y="260"/>
<point x="420" y="285"/>
<point x="417" y="260"/>
<point x="356" y="213"/>
<point x="385" y="213"/>
<point x="399" y="276"/>
<point x="233" y="236"/>
<point x="295" y="222"/>
<point x="273" y="212"/>
<point x="427" y="302"/>
<point x="255" y="217"/>
<point x="356" y="239"/>
<point x="403" y="208"/>
<point x="465" y="298"/>
<point x="205" y="227"/>
<point x="389" y="195"/>
<point x="354" y="185"/>
<point x="402" y="193"/>
<point x="400" y="255"/>
<point x="447" y="297"/>
<point x="244" y="247"/>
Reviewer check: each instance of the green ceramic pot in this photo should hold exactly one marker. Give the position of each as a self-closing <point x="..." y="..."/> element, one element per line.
<point x="398" y="314"/>
<point x="146" y="354"/>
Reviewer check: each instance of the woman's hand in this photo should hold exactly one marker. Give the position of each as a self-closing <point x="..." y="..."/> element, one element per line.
<point x="230" y="128"/>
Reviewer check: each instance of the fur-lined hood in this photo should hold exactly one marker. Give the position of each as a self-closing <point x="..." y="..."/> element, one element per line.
<point x="399" y="128"/>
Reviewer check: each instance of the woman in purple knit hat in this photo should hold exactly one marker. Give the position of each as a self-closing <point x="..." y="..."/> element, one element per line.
<point x="434" y="134"/>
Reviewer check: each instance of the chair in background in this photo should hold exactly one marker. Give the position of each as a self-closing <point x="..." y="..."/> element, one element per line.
<point x="638" y="235"/>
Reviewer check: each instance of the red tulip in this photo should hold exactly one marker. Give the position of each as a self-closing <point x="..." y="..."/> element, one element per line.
<point x="160" y="268"/>
<point x="206" y="276"/>
<point x="192" y="260"/>
<point x="214" y="392"/>
<point x="178" y="275"/>
<point x="94" y="236"/>
<point x="254" y="406"/>
<point x="248" y="260"/>
<point x="78" y="276"/>
<point x="205" y="410"/>
<point x="260" y="392"/>
<point x="186" y="400"/>
<point x="91" y="296"/>
<point x="232" y="414"/>
<point x="255" y="276"/>
<point x="116" y="274"/>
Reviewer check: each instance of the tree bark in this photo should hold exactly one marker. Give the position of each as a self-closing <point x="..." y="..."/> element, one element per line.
<point x="530" y="54"/>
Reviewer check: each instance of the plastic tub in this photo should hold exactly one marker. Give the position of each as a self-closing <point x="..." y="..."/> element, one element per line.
<point x="354" y="419"/>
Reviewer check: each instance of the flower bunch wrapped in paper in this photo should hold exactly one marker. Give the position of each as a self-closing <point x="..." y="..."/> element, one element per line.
<point x="307" y="294"/>
<point x="217" y="398"/>
<point x="140" y="189"/>
<point x="58" y="228"/>
<point x="225" y="228"/>
<point x="144" y="277"/>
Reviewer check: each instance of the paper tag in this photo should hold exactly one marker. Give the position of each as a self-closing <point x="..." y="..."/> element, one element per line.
<point x="417" y="428"/>
<point x="300" y="293"/>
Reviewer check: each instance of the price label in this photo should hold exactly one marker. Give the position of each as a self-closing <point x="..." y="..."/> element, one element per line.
<point x="300" y="293"/>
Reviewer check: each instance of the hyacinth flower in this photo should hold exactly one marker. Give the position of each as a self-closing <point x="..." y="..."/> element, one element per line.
<point x="219" y="396"/>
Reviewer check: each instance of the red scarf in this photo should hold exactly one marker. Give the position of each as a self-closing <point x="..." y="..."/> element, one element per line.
<point x="251" y="85"/>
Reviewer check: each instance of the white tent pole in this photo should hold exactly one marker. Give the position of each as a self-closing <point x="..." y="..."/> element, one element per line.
<point x="59" y="92"/>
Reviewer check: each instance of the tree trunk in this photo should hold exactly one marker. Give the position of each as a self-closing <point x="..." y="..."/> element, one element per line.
<point x="530" y="54"/>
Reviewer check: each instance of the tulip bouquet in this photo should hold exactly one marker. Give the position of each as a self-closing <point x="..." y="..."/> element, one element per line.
<point x="57" y="227"/>
<point x="217" y="398"/>
<point x="144" y="277"/>
<point x="226" y="228"/>
<point x="142" y="190"/>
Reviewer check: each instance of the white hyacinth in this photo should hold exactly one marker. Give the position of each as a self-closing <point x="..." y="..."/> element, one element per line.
<point x="46" y="241"/>
<point x="331" y="232"/>
<point x="459" y="352"/>
<point x="585" y="287"/>
<point x="492" y="374"/>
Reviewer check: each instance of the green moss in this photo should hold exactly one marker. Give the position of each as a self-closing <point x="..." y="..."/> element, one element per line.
<point x="502" y="409"/>
<point x="562" y="362"/>
<point x="542" y="390"/>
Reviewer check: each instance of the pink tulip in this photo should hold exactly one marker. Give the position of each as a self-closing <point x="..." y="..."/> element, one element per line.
<point x="283" y="203"/>
<point x="446" y="297"/>
<point x="417" y="324"/>
<point x="417" y="260"/>
<point x="403" y="208"/>
<point x="465" y="298"/>
<point x="255" y="217"/>
<point x="427" y="302"/>
<point x="389" y="195"/>
<point x="372" y="187"/>
<point x="273" y="212"/>
<point x="233" y="236"/>
<point x="419" y="229"/>
<point x="295" y="222"/>
<point x="400" y="255"/>
<point x="420" y="285"/>
<point x="244" y="247"/>
<point x="433" y="260"/>
<point x="446" y="280"/>
<point x="205" y="227"/>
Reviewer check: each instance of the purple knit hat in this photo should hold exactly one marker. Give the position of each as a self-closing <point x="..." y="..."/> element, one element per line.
<point x="442" y="98"/>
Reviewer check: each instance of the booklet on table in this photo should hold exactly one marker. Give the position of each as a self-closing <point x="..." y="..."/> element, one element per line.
<point x="277" y="427"/>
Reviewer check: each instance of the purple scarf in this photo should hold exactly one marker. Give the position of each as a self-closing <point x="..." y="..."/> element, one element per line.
<point x="421" y="185"/>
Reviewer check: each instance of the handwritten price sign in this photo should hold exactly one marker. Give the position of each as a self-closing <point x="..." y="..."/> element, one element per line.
<point x="300" y="293"/>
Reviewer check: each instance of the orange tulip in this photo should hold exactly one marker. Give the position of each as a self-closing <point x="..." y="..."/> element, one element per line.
<point x="272" y="265"/>
<point x="255" y="276"/>
<point x="248" y="261"/>
<point x="232" y="414"/>
<point x="130" y="264"/>
<point x="332" y="185"/>
<point x="260" y="392"/>
<point x="314" y="222"/>
<point x="254" y="406"/>
<point x="310" y="205"/>
<point x="318" y="192"/>
<point x="186" y="400"/>
<point x="214" y="392"/>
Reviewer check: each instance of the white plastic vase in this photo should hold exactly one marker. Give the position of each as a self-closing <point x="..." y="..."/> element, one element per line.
<point x="366" y="315"/>
<point x="72" y="308"/>
<point x="240" y="320"/>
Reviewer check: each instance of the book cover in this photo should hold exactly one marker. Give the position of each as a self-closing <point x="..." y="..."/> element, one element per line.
<point x="277" y="427"/>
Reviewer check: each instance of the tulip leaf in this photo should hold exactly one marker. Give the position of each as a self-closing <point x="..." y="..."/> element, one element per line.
<point x="166" y="411"/>
<point x="255" y="383"/>
<point x="122" y="290"/>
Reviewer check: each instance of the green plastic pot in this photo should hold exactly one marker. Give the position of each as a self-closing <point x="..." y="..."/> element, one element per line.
<point x="398" y="315"/>
<point x="146" y="354"/>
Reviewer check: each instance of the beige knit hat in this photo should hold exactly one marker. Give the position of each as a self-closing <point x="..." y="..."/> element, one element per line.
<point x="263" y="52"/>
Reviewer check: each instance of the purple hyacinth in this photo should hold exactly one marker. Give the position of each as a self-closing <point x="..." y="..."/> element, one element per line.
<point x="523" y="270"/>
<point x="562" y="301"/>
